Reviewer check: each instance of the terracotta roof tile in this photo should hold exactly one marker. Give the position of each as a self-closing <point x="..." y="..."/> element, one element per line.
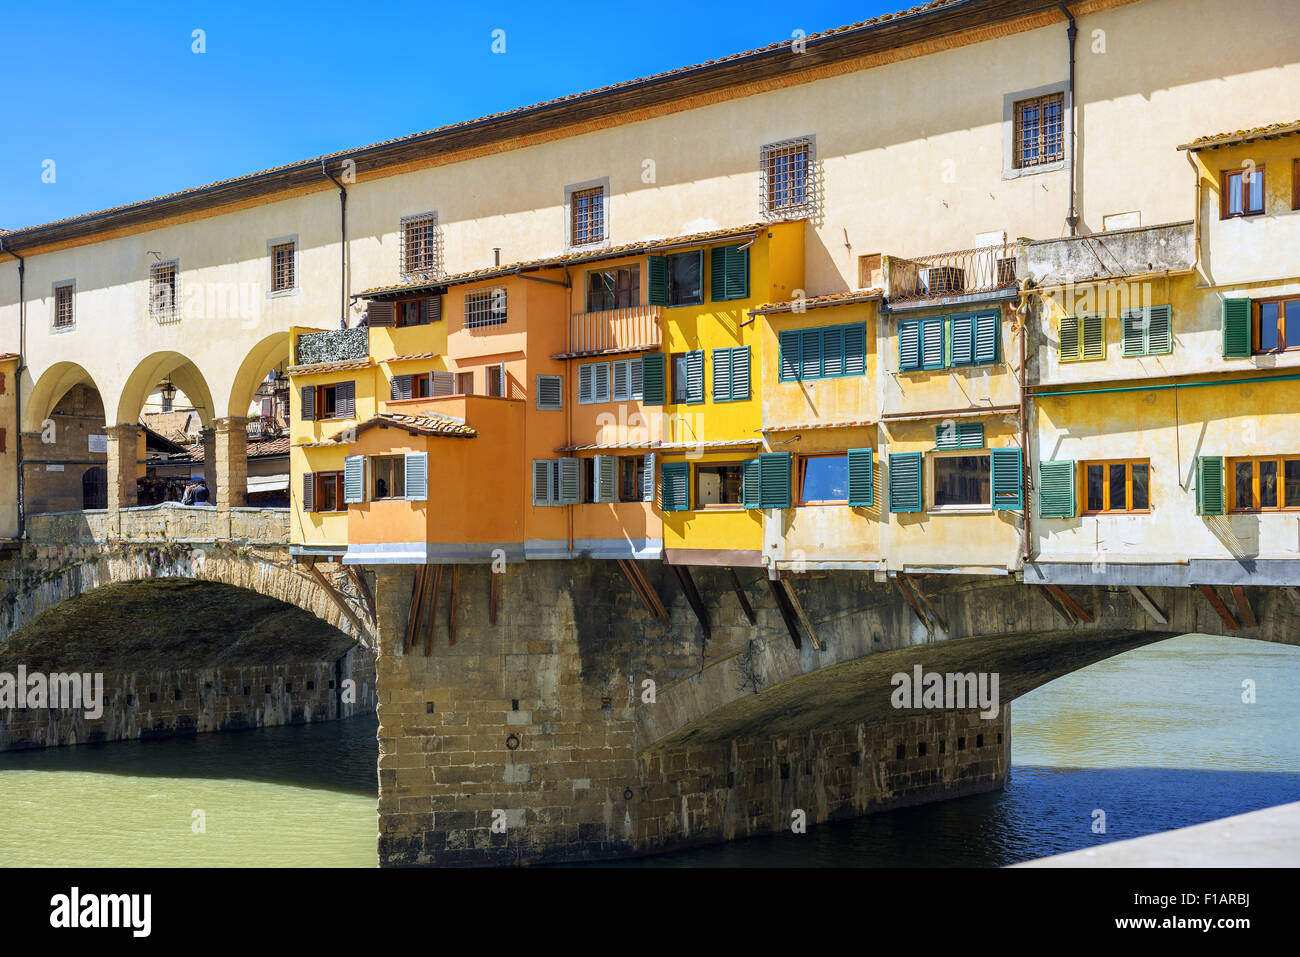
<point x="316" y="367"/>
<point x="816" y="302"/>
<point x="427" y="423"/>
<point x="1242" y="136"/>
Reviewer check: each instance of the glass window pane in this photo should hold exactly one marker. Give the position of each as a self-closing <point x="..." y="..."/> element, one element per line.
<point x="1244" y="477"/>
<point x="684" y="279"/>
<point x="1095" y="501"/>
<point x="1291" y="478"/>
<point x="1268" y="484"/>
<point x="1118" y="494"/>
<point x="1256" y="191"/>
<point x="1291" y="323"/>
<point x="1141" y="487"/>
<point x="718" y="484"/>
<point x="826" y="479"/>
<point x="1234" y="193"/>
<point x="679" y="377"/>
<point x="961" y="480"/>
<point x="1268" y="325"/>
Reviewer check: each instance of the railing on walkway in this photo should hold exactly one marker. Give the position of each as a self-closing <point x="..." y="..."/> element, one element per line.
<point x="962" y="272"/>
<point x="613" y="330"/>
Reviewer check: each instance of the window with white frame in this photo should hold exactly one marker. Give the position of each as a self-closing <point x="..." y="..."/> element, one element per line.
<point x="421" y="250"/>
<point x="787" y="188"/>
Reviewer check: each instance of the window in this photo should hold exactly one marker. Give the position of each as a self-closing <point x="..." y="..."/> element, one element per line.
<point x="163" y="292"/>
<point x="823" y="353"/>
<point x="1039" y="134"/>
<point x="1120" y="486"/>
<point x="593" y="382"/>
<point x="337" y="401"/>
<point x="1241" y="192"/>
<point x="613" y="288"/>
<point x="422" y="385"/>
<point x="940" y="342"/>
<point x="631" y="478"/>
<point x="962" y="481"/>
<point x="421" y="252"/>
<point x="64" y="318"/>
<point x="485" y="307"/>
<point x="824" y="479"/>
<point x="588" y="494"/>
<point x="3" y="435"/>
<point x="687" y="377"/>
<point x="1264" y="483"/>
<point x="283" y="274"/>
<point x="1081" y="338"/>
<point x="1295" y="184"/>
<point x="676" y="280"/>
<point x="870" y="275"/>
<point x="417" y="312"/>
<point x="587" y="216"/>
<point x="550" y="393"/>
<point x="1146" y="332"/>
<point x="729" y="273"/>
<point x="496" y="380"/>
<point x="464" y="383"/>
<point x="785" y="178"/>
<point x="627" y="379"/>
<point x="391" y="477"/>
<point x="731" y="374"/>
<point x="323" y="492"/>
<point x="718" y="485"/>
<point x="1276" y="324"/>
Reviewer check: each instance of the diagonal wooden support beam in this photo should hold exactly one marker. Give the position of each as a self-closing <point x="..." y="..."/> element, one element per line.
<point x="641" y="585"/>
<point x="1055" y="602"/>
<point x="433" y="586"/>
<point x="336" y="596"/>
<point x="1072" y="606"/>
<point x="906" y="592"/>
<point x="741" y="597"/>
<point x="1212" y="596"/>
<point x="1148" y="605"/>
<point x="493" y="594"/>
<point x="787" y="612"/>
<point x="1244" y="610"/>
<point x="933" y="612"/>
<point x="684" y="579"/>
<point x="359" y="580"/>
<point x="413" y="608"/>
<point x="454" y="606"/>
<point x="802" y="615"/>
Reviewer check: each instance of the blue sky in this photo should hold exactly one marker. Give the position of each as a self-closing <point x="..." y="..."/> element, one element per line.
<point x="115" y="96"/>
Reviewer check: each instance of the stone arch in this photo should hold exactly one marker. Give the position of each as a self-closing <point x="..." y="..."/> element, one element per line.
<point x="153" y="369"/>
<point x="267" y="355"/>
<point x="54" y="383"/>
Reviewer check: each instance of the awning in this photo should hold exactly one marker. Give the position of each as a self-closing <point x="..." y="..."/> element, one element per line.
<point x="268" y="483"/>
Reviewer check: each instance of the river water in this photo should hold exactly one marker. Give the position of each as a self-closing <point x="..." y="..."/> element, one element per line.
<point x="1155" y="739"/>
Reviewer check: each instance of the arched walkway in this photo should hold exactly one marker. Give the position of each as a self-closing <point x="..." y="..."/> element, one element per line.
<point x="152" y="370"/>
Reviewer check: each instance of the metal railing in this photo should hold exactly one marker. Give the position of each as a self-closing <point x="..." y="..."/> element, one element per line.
<point x="960" y="273"/>
<point x="614" y="329"/>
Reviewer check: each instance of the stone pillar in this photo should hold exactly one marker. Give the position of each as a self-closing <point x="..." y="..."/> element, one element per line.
<point x="123" y="459"/>
<point x="228" y="474"/>
<point x="209" y="439"/>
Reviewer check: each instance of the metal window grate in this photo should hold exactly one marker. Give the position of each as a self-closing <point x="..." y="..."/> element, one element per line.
<point x="1040" y="131"/>
<point x="63" y="317"/>
<point x="787" y="179"/>
<point x="282" y="277"/>
<point x="164" y="292"/>
<point x="587" y="216"/>
<point x="485" y="307"/>
<point x="421" y="247"/>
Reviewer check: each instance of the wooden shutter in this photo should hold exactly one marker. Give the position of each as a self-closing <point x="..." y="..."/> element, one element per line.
<point x="773" y="480"/>
<point x="909" y="345"/>
<point x="791" y="354"/>
<point x="620" y="380"/>
<point x="636" y="384"/>
<point x="862" y="481"/>
<point x="652" y="374"/>
<point x="810" y="348"/>
<point x="309" y="491"/>
<point x="3" y="437"/>
<point x="749" y="483"/>
<point x="855" y="349"/>
<point x="308" y="403"/>
<point x="379" y="314"/>
<point x="345" y="400"/>
<point x="1209" y="485"/>
<point x="1068" y="339"/>
<point x="721" y="374"/>
<point x="695" y="377"/>
<point x="962" y="348"/>
<point x="550" y="393"/>
<point x="3" y="376"/>
<point x="932" y="343"/>
<point x="606" y="478"/>
<point x="543" y="482"/>
<point x="417" y="476"/>
<point x="354" y="479"/>
<point x="740" y="373"/>
<point x="431" y="309"/>
<point x="675" y="487"/>
<point x="833" y="351"/>
<point x="586" y="383"/>
<point x="905" y="482"/>
<point x="1133" y="332"/>
<point x="986" y="338"/>
<point x="1160" y="339"/>
<point x="1236" y="328"/>
<point x="959" y="435"/>
<point x="601" y="384"/>
<point x="657" y="276"/>
<point x="442" y="383"/>
<point x="569" y="481"/>
<point x="402" y="386"/>
<point x="729" y="273"/>
<point x="1093" y="334"/>
<point x="648" y="479"/>
<point x="1056" y="497"/>
<point x="1007" y="468"/>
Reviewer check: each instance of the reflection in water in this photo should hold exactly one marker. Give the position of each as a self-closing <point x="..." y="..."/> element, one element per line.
<point x="1157" y="738"/>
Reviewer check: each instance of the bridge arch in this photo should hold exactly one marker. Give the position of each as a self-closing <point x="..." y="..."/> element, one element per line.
<point x="153" y="369"/>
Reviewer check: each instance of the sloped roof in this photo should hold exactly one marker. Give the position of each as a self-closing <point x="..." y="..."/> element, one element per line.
<point x="426" y="423"/>
<point x="1242" y="136"/>
<point x="819" y="302"/>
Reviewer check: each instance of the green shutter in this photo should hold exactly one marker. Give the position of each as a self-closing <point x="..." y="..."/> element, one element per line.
<point x="695" y="377"/>
<point x="722" y="374"/>
<point x="731" y="374"/>
<point x="905" y="482"/>
<point x="1236" y="328"/>
<point x="791" y="355"/>
<point x="810" y="344"/>
<point x="740" y="373"/>
<point x="1008" y="478"/>
<point x="1160" y="338"/>
<point x="1209" y="485"/>
<point x="932" y="337"/>
<point x="986" y="338"/>
<point x="749" y="483"/>
<point x="833" y="352"/>
<point x="1068" y="339"/>
<point x="909" y="345"/>
<point x="652" y="378"/>
<point x="959" y="435"/>
<point x="855" y="349"/>
<point x="1056" y="489"/>
<point x="961" y="346"/>
<point x="773" y="480"/>
<point x="1094" y="336"/>
<point x="675" y="486"/>
<point x="1146" y="331"/>
<point x="862" y="482"/>
<point x="657" y="273"/>
<point x="1134" y="332"/>
<point x="729" y="273"/>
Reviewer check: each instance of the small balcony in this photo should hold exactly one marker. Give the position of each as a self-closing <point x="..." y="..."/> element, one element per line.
<point x="1110" y="256"/>
<point x="632" y="329"/>
<point x="963" y="273"/>
<point x="339" y="345"/>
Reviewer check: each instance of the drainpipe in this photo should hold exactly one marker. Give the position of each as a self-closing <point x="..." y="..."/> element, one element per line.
<point x="1072" y="33"/>
<point x="1022" y="316"/>
<point x="343" y="247"/>
<point x="18" y="386"/>
<point x="1196" y="215"/>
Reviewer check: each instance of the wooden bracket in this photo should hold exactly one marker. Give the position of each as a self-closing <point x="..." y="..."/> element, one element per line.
<point x="684" y="579"/>
<point x="1244" y="610"/>
<point x="1050" y="597"/>
<point x="1148" y="605"/>
<point x="803" y="617"/>
<point x="1072" y="606"/>
<point x="644" y="590"/>
<point x="434" y="585"/>
<point x="905" y="589"/>
<point x="494" y="591"/>
<point x="359" y="580"/>
<point x="336" y="596"/>
<point x="741" y="597"/>
<point x="933" y="612"/>
<point x="787" y="611"/>
<point x="1212" y="596"/>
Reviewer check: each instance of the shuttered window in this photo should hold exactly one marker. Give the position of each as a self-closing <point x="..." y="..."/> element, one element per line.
<point x="1236" y="328"/>
<point x="940" y="342"/>
<point x="1056" y="497"/>
<point x="402" y="387"/>
<point x="605" y="476"/>
<point x="729" y="273"/>
<point x="986" y="337"/>
<point x="1146" y="331"/>
<point x="731" y="374"/>
<point x="905" y="482"/>
<point x="676" y="280"/>
<point x="1008" y="478"/>
<point x="550" y="393"/>
<point x="308" y="492"/>
<point x="308" y="406"/>
<point x="773" y="480"/>
<point x="417" y="312"/>
<point x="693" y="394"/>
<point x="545" y="482"/>
<point x="653" y="378"/>
<point x="593" y="382"/>
<point x="824" y="353"/>
<point x="569" y="472"/>
<point x="1082" y="338"/>
<point x="417" y="476"/>
<point x="862" y="481"/>
<point x="648" y="479"/>
<point x="675" y="487"/>
<point x="959" y="435"/>
<point x="379" y="314"/>
<point x="932" y="342"/>
<point x="1209" y="485"/>
<point x="354" y="479"/>
<point x="626" y="379"/>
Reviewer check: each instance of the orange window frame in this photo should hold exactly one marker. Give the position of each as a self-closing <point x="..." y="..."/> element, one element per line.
<point x="1284" y="303"/>
<point x="1105" y="465"/>
<point x="1246" y="189"/>
<point x="803" y="467"/>
<point x="1254" y="506"/>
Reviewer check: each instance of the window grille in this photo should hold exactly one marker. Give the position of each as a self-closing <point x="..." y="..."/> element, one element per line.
<point x="63" y="316"/>
<point x="1039" y="135"/>
<point x="485" y="307"/>
<point x="787" y="179"/>
<point x="587" y="216"/>
<point x="164" y="292"/>
<point x="282" y="276"/>
<point x="420" y="246"/>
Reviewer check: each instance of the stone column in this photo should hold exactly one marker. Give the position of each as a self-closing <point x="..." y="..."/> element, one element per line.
<point x="123" y="458"/>
<point x="228" y="474"/>
<point x="209" y="439"/>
